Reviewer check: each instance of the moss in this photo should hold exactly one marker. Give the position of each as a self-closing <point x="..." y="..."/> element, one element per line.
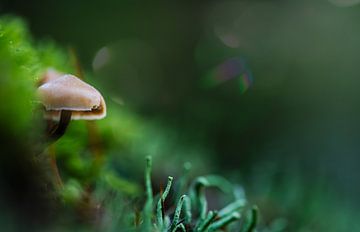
<point x="21" y="64"/>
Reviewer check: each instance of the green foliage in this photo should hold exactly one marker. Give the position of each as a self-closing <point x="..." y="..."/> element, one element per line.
<point x="100" y="186"/>
<point x="21" y="64"/>
<point x="121" y="185"/>
<point x="191" y="213"/>
<point x="72" y="191"/>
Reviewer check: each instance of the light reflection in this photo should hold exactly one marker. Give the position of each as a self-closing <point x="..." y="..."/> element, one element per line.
<point x="118" y="100"/>
<point x="101" y="58"/>
<point x="231" y="69"/>
<point x="245" y="82"/>
<point x="228" y="38"/>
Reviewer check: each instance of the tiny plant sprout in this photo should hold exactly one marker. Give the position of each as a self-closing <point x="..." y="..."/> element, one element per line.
<point x="68" y="98"/>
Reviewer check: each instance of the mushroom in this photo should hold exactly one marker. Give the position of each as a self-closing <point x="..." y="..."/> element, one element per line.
<point x="50" y="75"/>
<point x="65" y="98"/>
<point x="68" y="98"/>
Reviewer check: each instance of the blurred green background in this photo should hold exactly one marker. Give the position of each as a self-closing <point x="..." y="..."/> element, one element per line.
<point x="263" y="92"/>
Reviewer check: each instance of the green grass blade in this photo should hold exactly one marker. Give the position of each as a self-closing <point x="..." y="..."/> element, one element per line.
<point x="177" y="212"/>
<point x="223" y="222"/>
<point x="160" y="210"/>
<point x="232" y="207"/>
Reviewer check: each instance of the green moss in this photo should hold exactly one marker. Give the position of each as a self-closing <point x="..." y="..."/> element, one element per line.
<point x="21" y="64"/>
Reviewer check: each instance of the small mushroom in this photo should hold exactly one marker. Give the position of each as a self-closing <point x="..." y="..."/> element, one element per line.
<point x="49" y="75"/>
<point x="68" y="98"/>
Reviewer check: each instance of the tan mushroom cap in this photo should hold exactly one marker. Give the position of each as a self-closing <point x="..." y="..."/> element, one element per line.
<point x="49" y="75"/>
<point x="72" y="94"/>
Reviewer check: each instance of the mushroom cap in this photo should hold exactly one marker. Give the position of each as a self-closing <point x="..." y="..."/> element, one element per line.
<point x="70" y="93"/>
<point x="50" y="75"/>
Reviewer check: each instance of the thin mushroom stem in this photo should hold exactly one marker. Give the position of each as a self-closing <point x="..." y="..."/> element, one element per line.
<point x="59" y="130"/>
<point x="65" y="117"/>
<point x="55" y="134"/>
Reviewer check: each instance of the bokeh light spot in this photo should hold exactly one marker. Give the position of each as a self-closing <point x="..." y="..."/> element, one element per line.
<point x="231" y="69"/>
<point x="101" y="58"/>
<point x="227" y="38"/>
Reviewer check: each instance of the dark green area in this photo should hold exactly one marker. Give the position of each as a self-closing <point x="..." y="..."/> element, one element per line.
<point x="291" y="137"/>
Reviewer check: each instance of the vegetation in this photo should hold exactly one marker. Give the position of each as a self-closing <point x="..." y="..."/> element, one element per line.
<point x="102" y="185"/>
<point x="288" y="135"/>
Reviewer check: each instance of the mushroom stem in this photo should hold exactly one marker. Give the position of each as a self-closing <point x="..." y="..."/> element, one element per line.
<point x="55" y="134"/>
<point x="65" y="117"/>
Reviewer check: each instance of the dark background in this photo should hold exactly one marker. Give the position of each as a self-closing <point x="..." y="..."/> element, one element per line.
<point x="291" y="135"/>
